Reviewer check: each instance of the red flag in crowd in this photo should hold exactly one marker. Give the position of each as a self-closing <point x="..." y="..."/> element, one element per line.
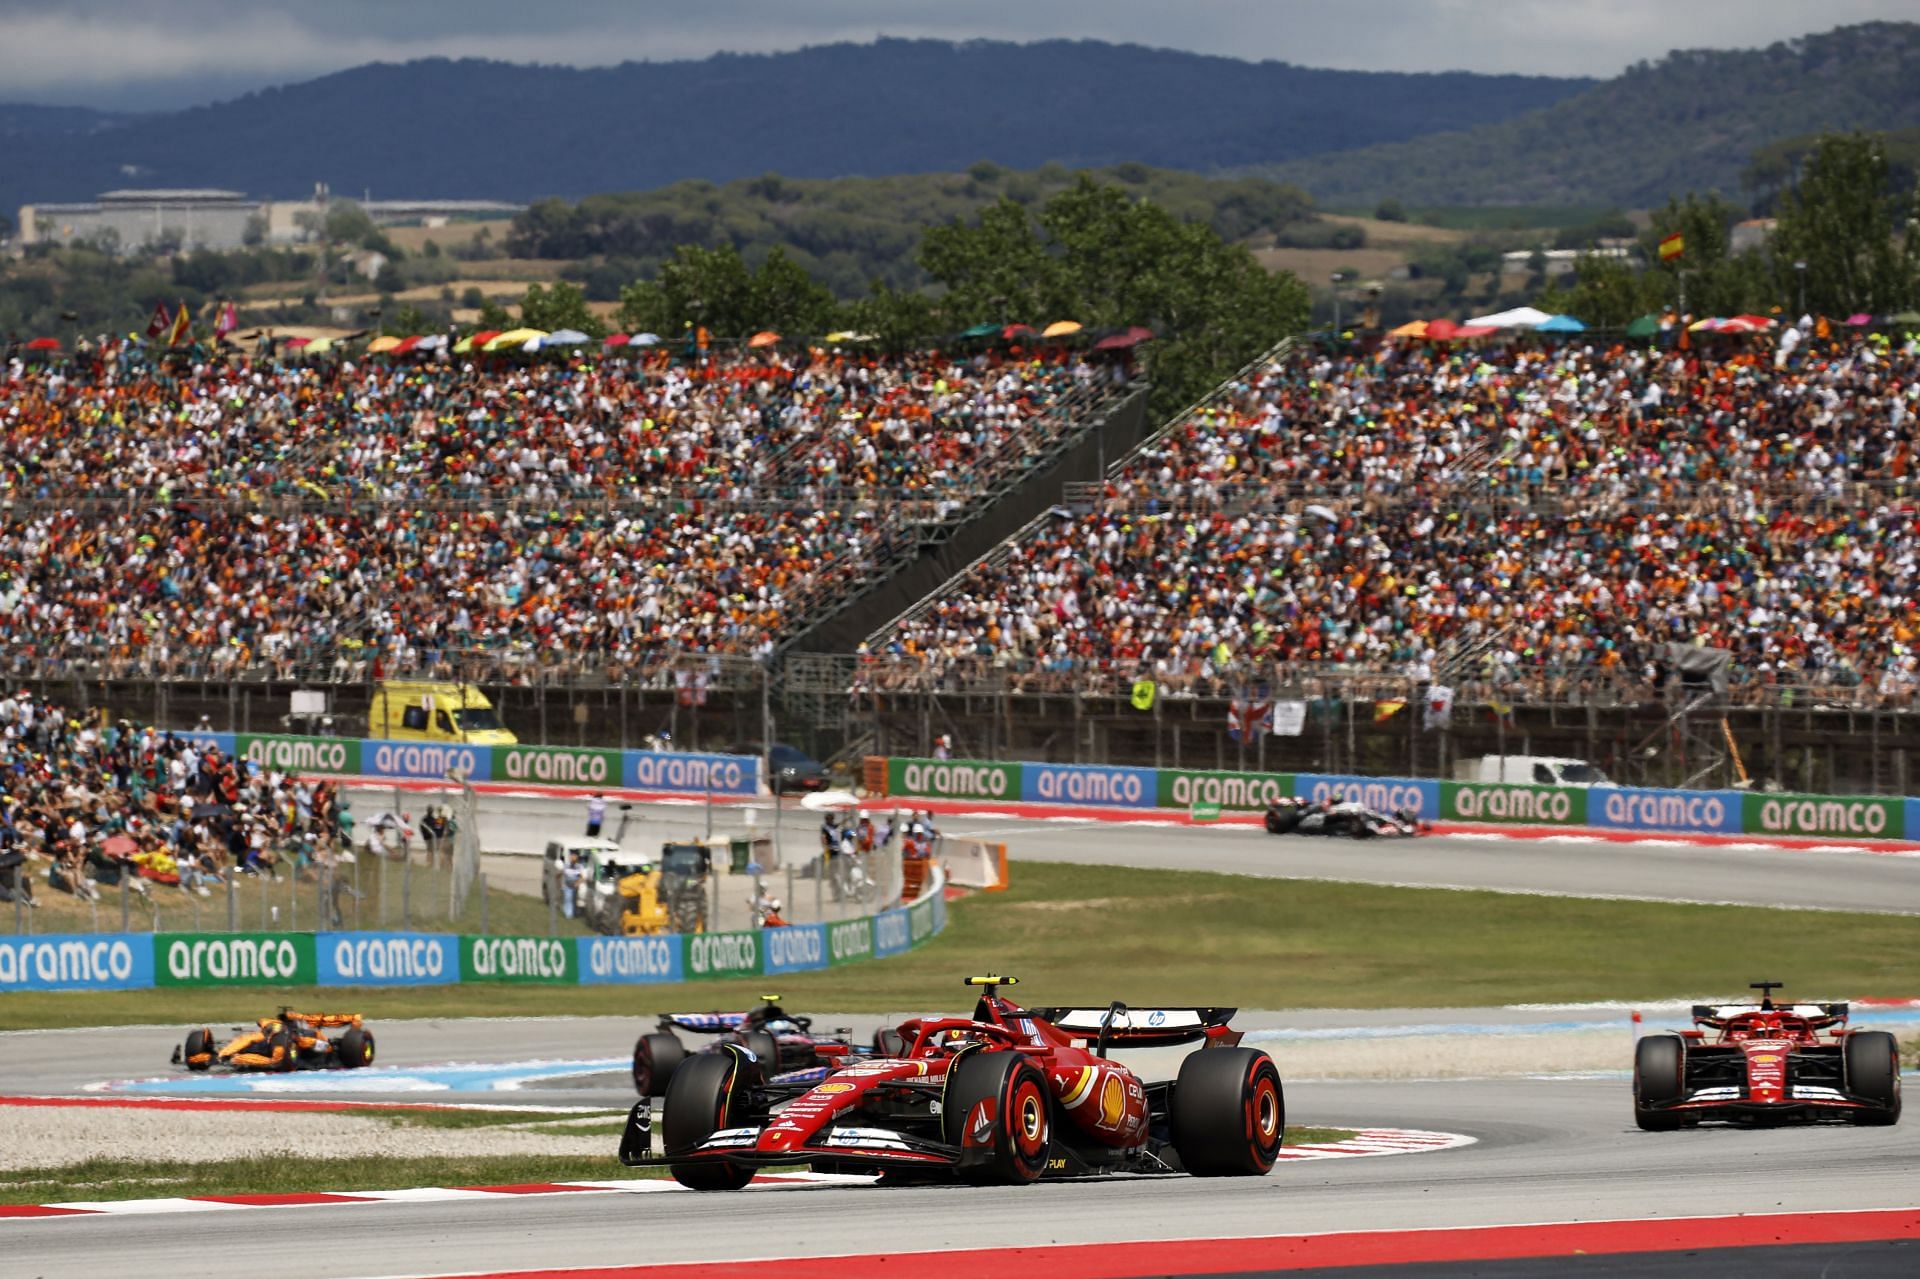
<point x="160" y="322"/>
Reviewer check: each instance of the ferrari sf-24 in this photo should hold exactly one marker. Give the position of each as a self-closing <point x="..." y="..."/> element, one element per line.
<point x="1008" y="1096"/>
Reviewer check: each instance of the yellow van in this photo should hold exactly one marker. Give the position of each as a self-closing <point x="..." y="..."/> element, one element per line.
<point x="433" y="711"/>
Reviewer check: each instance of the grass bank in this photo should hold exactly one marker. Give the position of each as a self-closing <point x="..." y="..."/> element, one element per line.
<point x="1079" y="933"/>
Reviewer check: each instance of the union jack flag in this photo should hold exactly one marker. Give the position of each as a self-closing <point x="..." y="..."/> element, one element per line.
<point x="1247" y="720"/>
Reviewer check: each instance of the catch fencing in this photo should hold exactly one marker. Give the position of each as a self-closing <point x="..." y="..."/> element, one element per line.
<point x="1204" y="792"/>
<point x="141" y="961"/>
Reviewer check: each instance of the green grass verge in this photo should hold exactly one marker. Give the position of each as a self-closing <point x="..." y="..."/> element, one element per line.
<point x="100" y="1179"/>
<point x="565" y="1123"/>
<point x="1078" y="933"/>
<point x="119" y="1179"/>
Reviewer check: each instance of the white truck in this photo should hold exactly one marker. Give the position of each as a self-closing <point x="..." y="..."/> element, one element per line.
<point x="1529" y="770"/>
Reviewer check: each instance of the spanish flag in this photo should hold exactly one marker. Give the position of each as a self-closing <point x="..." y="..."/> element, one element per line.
<point x="1383" y="711"/>
<point x="1672" y="247"/>
<point x="181" y="325"/>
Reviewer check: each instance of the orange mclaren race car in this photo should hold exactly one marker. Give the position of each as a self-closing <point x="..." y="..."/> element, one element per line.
<point x="285" y="1041"/>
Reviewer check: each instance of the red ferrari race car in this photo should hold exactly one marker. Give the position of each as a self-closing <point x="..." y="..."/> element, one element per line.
<point x="1007" y="1096"/>
<point x="781" y="1042"/>
<point x="286" y="1041"/>
<point x="1761" y="1063"/>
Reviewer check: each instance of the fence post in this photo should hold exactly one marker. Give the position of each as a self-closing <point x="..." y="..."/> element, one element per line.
<point x="483" y="903"/>
<point x="233" y="904"/>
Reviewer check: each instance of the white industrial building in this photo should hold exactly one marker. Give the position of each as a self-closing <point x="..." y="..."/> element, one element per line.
<point x="210" y="218"/>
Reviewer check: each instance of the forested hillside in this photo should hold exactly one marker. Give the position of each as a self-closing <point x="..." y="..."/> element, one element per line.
<point x="1692" y="121"/>
<point x="450" y="129"/>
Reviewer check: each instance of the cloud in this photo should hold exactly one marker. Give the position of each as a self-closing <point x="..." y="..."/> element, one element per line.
<point x="176" y="52"/>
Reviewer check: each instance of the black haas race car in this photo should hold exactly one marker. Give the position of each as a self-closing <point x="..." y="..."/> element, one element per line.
<point x="1760" y="1063"/>
<point x="1346" y="820"/>
<point x="783" y="1043"/>
<point x="288" y="1040"/>
<point x="1007" y="1096"/>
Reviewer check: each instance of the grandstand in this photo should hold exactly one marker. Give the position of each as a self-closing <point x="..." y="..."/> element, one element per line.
<point x="1530" y="523"/>
<point x="1525" y="523"/>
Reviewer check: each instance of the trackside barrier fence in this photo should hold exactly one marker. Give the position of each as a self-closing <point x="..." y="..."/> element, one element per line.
<point x="1200" y="790"/>
<point x="140" y="961"/>
<point x="688" y="772"/>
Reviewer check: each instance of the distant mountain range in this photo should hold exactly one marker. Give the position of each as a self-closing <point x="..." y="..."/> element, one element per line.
<point x="441" y="129"/>
<point x="1690" y="122"/>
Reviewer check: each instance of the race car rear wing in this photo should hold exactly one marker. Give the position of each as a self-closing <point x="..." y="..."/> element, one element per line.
<point x="1716" y="1016"/>
<point x="702" y="1023"/>
<point x="1145" y="1027"/>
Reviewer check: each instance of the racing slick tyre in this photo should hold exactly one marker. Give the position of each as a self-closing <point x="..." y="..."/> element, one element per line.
<point x="1873" y="1074"/>
<point x="708" y="1092"/>
<point x="1228" y="1113"/>
<point x="1659" y="1076"/>
<point x="996" y="1109"/>
<point x="766" y="1050"/>
<point x="888" y="1042"/>
<point x="199" y="1044"/>
<point x="355" y="1048"/>
<point x="655" y="1059"/>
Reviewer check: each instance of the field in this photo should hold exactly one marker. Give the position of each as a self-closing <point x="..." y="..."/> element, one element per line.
<point x="1075" y="933"/>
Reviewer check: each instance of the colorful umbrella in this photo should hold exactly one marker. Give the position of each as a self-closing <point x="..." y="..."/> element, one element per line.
<point x="1442" y="330"/>
<point x="1411" y="329"/>
<point x="765" y="337"/>
<point x="1016" y="330"/>
<point x="1130" y="337"/>
<point x="1560" y="324"/>
<point x="406" y="345"/>
<point x="1861" y="320"/>
<point x="615" y="339"/>
<point x="644" y="339"/>
<point x="1521" y="317"/>
<point x="559" y="337"/>
<point x="381" y="345"/>
<point x="980" y="331"/>
<point x="1644" y="327"/>
<point x="1061" y="329"/>
<point x="848" y="335"/>
<point x="44" y="344"/>
<point x="512" y="338"/>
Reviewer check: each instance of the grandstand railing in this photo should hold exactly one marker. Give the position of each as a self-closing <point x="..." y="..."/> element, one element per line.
<point x="1595" y="499"/>
<point x="1544" y="685"/>
<point x="998" y="555"/>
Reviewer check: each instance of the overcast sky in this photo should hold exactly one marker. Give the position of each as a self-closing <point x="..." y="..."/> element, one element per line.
<point x="169" y="53"/>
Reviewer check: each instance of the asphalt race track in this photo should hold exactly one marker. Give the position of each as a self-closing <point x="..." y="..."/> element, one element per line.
<point x="1547" y="1149"/>
<point x="1570" y="865"/>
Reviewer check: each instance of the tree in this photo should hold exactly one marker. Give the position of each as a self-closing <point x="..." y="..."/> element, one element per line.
<point x="1841" y="218"/>
<point x="710" y="287"/>
<point x="1390" y="210"/>
<point x="784" y="297"/>
<point x="562" y="306"/>
<point x="1717" y="282"/>
<point x="1099" y="256"/>
<point x="1606" y="293"/>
